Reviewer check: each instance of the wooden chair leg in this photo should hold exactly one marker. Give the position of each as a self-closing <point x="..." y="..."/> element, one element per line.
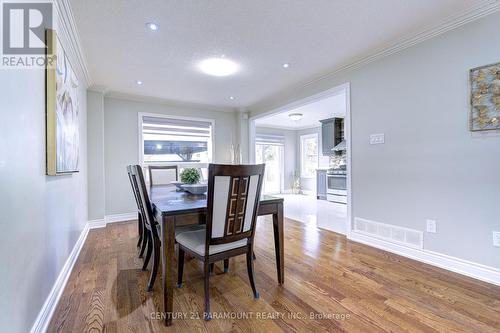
<point x="148" y="252"/>
<point x="180" y="267"/>
<point x="251" y="275"/>
<point x="139" y="229"/>
<point x="144" y="241"/>
<point x="156" y="263"/>
<point x="207" y="315"/>
<point x="226" y="265"/>
<point x="253" y="256"/>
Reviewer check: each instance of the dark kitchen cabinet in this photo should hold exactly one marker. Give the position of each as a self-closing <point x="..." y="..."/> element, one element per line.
<point x="332" y="133"/>
<point x="327" y="136"/>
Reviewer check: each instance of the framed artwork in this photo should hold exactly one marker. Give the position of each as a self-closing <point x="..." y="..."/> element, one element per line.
<point x="62" y="107"/>
<point x="485" y="98"/>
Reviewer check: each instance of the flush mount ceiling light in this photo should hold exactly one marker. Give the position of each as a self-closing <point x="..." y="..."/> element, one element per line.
<point x="286" y="65"/>
<point x="218" y="66"/>
<point x="295" y="116"/>
<point x="138" y="82"/>
<point x="152" y="26"/>
<point x="231" y="97"/>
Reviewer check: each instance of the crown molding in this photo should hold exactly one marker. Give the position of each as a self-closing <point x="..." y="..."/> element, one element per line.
<point x="68" y="32"/>
<point x="163" y="101"/>
<point x="453" y="22"/>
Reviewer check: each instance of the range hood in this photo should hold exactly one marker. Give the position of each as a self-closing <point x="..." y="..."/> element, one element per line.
<point x="340" y="147"/>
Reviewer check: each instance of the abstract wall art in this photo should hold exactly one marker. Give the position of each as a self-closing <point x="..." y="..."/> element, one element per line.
<point x="62" y="107"/>
<point x="485" y="98"/>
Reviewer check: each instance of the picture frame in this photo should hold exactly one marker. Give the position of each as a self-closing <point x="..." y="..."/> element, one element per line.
<point x="484" y="82"/>
<point x="62" y="110"/>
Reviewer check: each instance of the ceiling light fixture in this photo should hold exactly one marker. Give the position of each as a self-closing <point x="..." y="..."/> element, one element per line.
<point x="286" y="65"/>
<point x="295" y="116"/>
<point x="218" y="66"/>
<point x="139" y="82"/>
<point x="152" y="26"/>
<point x="231" y="97"/>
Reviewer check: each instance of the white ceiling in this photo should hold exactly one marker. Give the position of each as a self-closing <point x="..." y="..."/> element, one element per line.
<point x="314" y="36"/>
<point x="333" y="106"/>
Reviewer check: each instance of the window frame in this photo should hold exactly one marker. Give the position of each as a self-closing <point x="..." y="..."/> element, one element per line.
<point x="211" y="146"/>
<point x="302" y="138"/>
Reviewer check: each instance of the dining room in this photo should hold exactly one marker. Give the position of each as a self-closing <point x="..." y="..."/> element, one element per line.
<point x="160" y="170"/>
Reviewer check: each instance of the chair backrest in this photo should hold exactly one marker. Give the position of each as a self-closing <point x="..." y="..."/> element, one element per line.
<point x="163" y="175"/>
<point x="134" y="187"/>
<point x="233" y="201"/>
<point x="145" y="204"/>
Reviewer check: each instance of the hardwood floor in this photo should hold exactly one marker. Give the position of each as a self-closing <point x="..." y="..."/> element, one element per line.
<point x="362" y="289"/>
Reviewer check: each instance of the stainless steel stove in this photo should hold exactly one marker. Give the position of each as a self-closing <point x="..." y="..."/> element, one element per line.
<point x="336" y="185"/>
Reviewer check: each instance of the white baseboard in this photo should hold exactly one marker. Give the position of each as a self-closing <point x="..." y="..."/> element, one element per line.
<point x="120" y="217"/>
<point x="457" y="265"/>
<point x="94" y="224"/>
<point x="45" y="315"/>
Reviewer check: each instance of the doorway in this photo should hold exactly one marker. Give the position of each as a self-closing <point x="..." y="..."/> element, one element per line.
<point x="272" y="156"/>
<point x="326" y="115"/>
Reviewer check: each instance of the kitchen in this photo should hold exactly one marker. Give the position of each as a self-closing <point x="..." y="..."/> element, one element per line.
<point x="305" y="149"/>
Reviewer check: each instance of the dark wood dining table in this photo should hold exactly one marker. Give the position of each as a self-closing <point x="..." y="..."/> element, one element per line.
<point x="171" y="206"/>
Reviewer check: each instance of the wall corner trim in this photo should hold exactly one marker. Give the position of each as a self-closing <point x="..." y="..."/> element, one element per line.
<point x="45" y="315"/>
<point x="456" y="265"/>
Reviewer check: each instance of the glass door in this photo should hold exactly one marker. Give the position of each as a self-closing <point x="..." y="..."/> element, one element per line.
<point x="272" y="156"/>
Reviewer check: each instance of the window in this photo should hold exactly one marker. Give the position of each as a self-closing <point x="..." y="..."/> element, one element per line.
<point x="175" y="140"/>
<point x="308" y="155"/>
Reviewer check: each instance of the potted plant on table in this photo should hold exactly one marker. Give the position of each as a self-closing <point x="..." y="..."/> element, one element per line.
<point x="190" y="177"/>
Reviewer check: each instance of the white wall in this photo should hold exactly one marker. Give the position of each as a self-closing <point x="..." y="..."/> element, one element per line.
<point x="431" y="166"/>
<point x="41" y="217"/>
<point x="121" y="143"/>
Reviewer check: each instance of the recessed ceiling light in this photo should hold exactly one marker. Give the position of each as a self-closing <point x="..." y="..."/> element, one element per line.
<point x="139" y="82"/>
<point x="152" y="26"/>
<point x="218" y="66"/>
<point x="295" y="116"/>
<point x="286" y="65"/>
<point x="231" y="97"/>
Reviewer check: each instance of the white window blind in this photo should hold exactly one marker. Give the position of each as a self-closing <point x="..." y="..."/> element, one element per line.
<point x="169" y="139"/>
<point x="268" y="139"/>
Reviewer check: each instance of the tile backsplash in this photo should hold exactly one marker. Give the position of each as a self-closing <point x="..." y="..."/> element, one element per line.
<point x="337" y="160"/>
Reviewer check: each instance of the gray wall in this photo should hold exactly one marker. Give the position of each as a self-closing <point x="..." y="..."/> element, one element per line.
<point x="41" y="217"/>
<point x="431" y="165"/>
<point x="121" y="143"/>
<point x="290" y="157"/>
<point x="95" y="102"/>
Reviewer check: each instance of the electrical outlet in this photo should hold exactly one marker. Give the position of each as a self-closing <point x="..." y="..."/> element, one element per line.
<point x="377" y="139"/>
<point x="431" y="226"/>
<point x="496" y="238"/>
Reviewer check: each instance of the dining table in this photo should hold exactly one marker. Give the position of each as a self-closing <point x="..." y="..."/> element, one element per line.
<point x="170" y="206"/>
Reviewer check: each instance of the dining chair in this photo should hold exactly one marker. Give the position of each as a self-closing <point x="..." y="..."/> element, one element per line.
<point x="163" y="175"/>
<point x="142" y="241"/>
<point x="232" y="203"/>
<point x="151" y="225"/>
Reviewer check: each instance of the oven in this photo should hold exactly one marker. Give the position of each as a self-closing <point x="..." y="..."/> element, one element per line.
<point x="336" y="187"/>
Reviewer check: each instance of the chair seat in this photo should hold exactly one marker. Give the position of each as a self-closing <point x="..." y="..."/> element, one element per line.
<point x="195" y="241"/>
